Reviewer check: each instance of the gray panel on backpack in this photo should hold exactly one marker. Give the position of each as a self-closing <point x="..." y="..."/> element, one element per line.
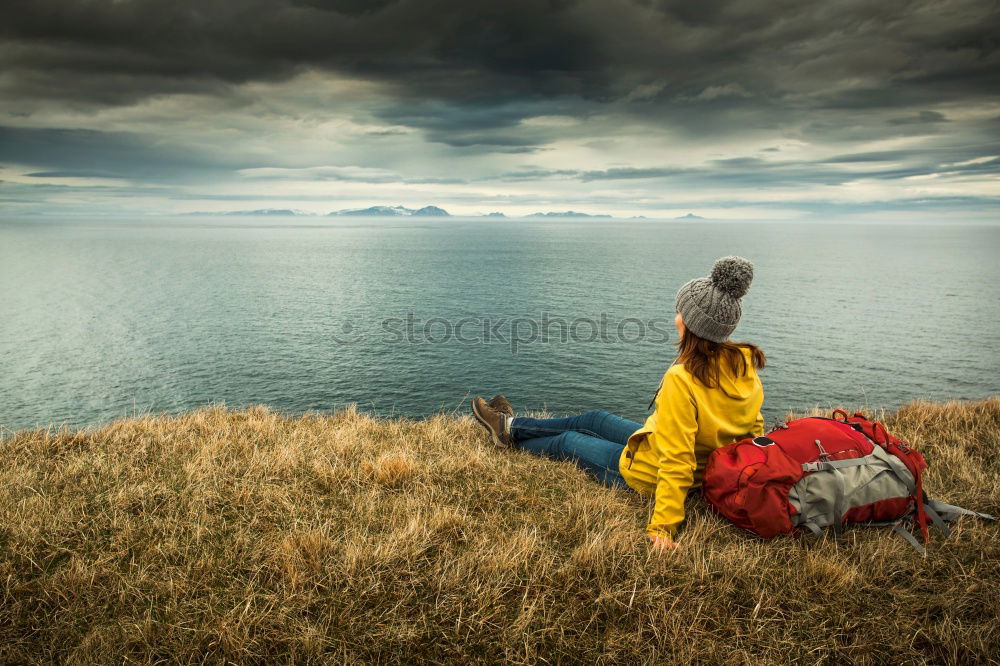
<point x="822" y="497"/>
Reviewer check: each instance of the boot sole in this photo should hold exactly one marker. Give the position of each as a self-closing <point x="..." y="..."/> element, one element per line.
<point x="493" y="433"/>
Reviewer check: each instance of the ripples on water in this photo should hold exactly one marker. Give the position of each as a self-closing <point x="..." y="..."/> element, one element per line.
<point x="104" y="318"/>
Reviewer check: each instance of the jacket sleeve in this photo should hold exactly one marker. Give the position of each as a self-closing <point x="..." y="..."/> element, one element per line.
<point x="758" y="425"/>
<point x="672" y="440"/>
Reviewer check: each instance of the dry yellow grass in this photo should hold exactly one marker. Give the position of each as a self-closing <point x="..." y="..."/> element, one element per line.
<point x="249" y="536"/>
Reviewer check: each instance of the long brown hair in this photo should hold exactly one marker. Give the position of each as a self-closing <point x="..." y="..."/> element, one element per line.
<point x="702" y="359"/>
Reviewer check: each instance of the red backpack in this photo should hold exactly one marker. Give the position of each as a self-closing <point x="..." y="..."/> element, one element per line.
<point x="815" y="472"/>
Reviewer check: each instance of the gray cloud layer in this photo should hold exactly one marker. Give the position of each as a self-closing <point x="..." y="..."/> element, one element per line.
<point x="471" y="77"/>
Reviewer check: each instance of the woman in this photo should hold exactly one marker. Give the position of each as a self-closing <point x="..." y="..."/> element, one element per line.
<point x="709" y="397"/>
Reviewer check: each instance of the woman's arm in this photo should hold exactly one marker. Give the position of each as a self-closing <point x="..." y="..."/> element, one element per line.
<point x="672" y="440"/>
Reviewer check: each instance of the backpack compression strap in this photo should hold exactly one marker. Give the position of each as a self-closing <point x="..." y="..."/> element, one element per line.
<point x="940" y="513"/>
<point x="951" y="512"/>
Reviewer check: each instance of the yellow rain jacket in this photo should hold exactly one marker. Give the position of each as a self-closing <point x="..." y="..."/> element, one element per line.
<point x="667" y="455"/>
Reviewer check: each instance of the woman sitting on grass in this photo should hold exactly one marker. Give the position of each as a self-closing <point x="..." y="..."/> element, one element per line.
<point x="709" y="397"/>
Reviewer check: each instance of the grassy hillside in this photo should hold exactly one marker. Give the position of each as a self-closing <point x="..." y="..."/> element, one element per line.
<point x="249" y="536"/>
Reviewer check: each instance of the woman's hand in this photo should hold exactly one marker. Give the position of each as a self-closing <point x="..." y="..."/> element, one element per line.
<point x="663" y="544"/>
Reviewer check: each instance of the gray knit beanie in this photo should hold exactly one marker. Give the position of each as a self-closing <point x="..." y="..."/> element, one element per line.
<point x="710" y="306"/>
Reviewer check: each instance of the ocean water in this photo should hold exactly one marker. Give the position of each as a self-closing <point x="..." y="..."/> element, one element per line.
<point x="106" y="318"/>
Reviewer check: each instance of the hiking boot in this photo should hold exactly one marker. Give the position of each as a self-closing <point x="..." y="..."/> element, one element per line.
<point x="496" y="422"/>
<point x="499" y="403"/>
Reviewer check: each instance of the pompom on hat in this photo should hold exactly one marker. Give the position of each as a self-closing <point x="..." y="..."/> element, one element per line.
<point x="710" y="306"/>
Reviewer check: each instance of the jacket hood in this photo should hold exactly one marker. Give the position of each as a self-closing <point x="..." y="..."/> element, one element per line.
<point x="740" y="387"/>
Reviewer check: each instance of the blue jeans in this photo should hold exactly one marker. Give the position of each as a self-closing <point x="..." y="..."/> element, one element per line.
<point x="593" y="440"/>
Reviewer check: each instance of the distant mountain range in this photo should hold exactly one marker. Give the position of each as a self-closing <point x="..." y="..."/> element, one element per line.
<point x="689" y="216"/>
<point x="402" y="211"/>
<point x="394" y="211"/>
<point x="568" y="213"/>
<point x="260" y="212"/>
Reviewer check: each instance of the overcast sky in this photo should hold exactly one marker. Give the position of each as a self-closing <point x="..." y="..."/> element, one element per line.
<point x="742" y="109"/>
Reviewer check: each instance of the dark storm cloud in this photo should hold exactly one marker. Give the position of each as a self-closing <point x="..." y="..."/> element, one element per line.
<point x="480" y="123"/>
<point x="82" y="173"/>
<point x="754" y="172"/>
<point x="475" y="57"/>
<point x="76" y="153"/>
<point x="443" y="50"/>
<point x="536" y="174"/>
<point x="346" y="6"/>
<point x="921" y="118"/>
<point x="892" y="90"/>
<point x="629" y="173"/>
<point x="334" y="174"/>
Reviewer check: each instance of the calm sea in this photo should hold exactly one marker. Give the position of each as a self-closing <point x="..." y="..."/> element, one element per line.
<point x="102" y="319"/>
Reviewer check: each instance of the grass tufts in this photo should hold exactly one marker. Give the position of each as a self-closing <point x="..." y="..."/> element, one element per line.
<point x="250" y="536"/>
